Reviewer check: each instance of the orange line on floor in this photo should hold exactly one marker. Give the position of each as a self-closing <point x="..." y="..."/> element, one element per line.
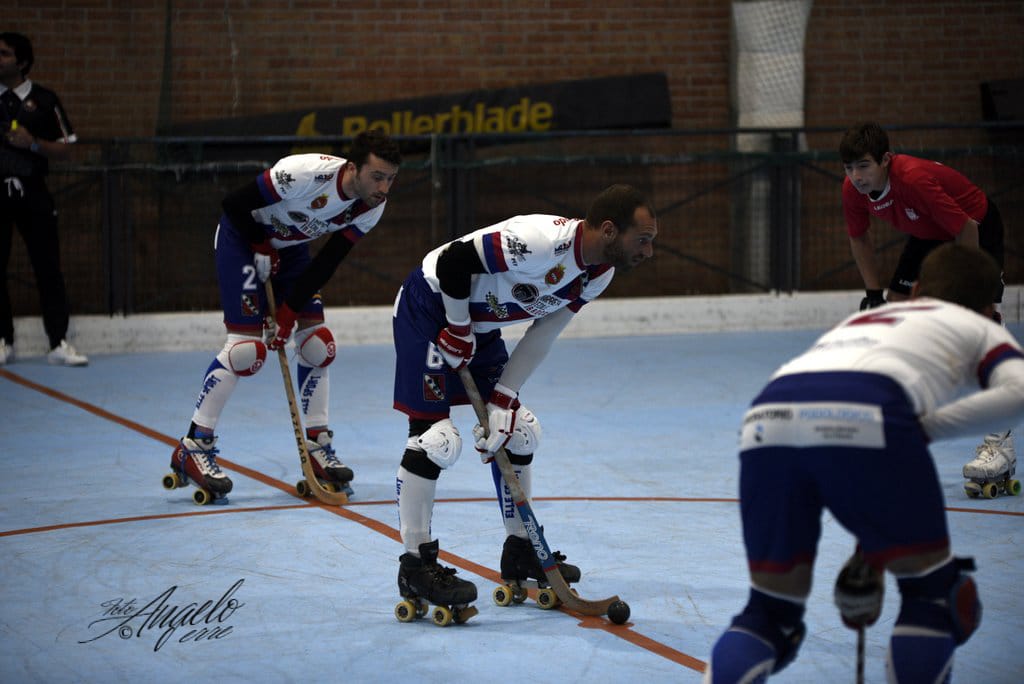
<point x="624" y="632"/>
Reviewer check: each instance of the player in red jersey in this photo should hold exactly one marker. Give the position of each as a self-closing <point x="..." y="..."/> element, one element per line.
<point x="933" y="204"/>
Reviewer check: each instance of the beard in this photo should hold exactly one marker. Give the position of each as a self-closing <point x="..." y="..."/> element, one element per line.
<point x="614" y="255"/>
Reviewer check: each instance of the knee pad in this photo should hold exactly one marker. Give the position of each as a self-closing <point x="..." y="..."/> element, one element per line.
<point x="525" y="434"/>
<point x="441" y="442"/>
<point x="242" y="355"/>
<point x="944" y="600"/>
<point x="316" y="346"/>
<point x="775" y="621"/>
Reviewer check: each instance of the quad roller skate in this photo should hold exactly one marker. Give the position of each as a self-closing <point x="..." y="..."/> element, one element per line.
<point x="520" y="571"/>
<point x="422" y="581"/>
<point x="332" y="474"/>
<point x="992" y="469"/>
<point x="194" y="461"/>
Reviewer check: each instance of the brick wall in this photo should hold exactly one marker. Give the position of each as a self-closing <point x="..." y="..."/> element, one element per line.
<point x="901" y="62"/>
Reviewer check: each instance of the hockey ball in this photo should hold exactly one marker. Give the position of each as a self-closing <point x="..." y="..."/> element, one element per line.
<point x="618" y="612"/>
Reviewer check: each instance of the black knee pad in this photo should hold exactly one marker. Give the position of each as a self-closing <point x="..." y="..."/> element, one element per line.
<point x="520" y="459"/>
<point x="416" y="461"/>
<point x="777" y="621"/>
<point x="945" y="599"/>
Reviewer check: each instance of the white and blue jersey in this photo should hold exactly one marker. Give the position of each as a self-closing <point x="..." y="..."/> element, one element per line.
<point x="846" y="426"/>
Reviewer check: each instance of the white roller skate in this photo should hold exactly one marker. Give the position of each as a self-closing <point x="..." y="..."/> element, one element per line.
<point x="195" y="461"/>
<point x="993" y="467"/>
<point x="334" y="476"/>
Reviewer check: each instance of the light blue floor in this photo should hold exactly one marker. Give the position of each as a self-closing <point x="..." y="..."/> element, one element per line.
<point x="635" y="481"/>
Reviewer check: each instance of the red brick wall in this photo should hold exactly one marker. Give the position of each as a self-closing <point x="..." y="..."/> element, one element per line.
<point x="900" y="62"/>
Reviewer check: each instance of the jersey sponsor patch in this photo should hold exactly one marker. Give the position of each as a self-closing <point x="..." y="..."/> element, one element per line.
<point x="813" y="424"/>
<point x="433" y="386"/>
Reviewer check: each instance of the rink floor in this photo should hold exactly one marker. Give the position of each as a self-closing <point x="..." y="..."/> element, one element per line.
<point x="635" y="481"/>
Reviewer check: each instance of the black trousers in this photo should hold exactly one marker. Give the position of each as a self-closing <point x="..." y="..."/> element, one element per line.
<point x="32" y="211"/>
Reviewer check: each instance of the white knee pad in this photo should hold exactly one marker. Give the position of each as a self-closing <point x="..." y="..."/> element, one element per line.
<point x="242" y="355"/>
<point x="526" y="433"/>
<point x="441" y="441"/>
<point x="316" y="346"/>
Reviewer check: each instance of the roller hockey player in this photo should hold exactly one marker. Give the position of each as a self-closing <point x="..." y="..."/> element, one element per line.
<point x="867" y="398"/>
<point x="448" y="315"/>
<point x="264" y="234"/>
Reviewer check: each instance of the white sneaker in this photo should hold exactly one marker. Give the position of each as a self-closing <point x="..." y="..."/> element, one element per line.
<point x="65" y="355"/>
<point x="994" y="459"/>
<point x="6" y="352"/>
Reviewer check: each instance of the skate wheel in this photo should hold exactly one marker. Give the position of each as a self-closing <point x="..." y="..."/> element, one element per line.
<point x="442" y="617"/>
<point x="1013" y="487"/>
<point x="302" y="488"/>
<point x="502" y="595"/>
<point x="973" y="490"/>
<point x="406" y="611"/>
<point x="171" y="481"/>
<point x="990" y="490"/>
<point x="547" y="599"/>
<point x="202" y="497"/>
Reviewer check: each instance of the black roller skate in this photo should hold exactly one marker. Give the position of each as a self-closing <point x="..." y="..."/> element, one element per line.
<point x="423" y="580"/>
<point x="521" y="570"/>
<point x="194" y="461"/>
<point x="333" y="475"/>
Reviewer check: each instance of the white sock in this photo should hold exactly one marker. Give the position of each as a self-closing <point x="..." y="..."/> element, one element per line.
<point x="415" y="508"/>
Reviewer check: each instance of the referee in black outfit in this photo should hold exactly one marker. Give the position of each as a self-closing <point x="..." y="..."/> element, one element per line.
<point x="34" y="129"/>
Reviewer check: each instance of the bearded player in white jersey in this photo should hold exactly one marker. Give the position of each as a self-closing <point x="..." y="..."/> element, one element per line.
<point x="265" y="233"/>
<point x="846" y="427"/>
<point x="535" y="269"/>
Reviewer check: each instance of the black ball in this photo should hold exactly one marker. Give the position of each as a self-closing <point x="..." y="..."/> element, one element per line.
<point x="618" y="612"/>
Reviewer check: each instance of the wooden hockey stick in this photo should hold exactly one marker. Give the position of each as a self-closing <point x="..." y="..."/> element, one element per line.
<point x="540" y="546"/>
<point x="317" y="489"/>
<point x="860" y="654"/>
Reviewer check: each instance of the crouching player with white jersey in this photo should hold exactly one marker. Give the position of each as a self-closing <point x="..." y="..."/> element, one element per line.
<point x="846" y="427"/>
<point x="535" y="269"/>
<point x="264" y="233"/>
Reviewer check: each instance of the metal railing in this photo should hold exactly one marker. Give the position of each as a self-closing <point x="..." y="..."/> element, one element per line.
<point x="739" y="210"/>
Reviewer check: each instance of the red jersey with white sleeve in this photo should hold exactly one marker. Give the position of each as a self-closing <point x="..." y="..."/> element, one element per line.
<point x="306" y="201"/>
<point x="934" y="349"/>
<point x="534" y="268"/>
<point x="923" y="198"/>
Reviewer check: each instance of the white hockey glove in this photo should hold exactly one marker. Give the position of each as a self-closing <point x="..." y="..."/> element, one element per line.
<point x="501" y="422"/>
<point x="859" y="592"/>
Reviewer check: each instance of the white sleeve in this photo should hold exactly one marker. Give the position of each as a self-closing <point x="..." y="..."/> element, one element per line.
<point x="533" y="348"/>
<point x="998" y="408"/>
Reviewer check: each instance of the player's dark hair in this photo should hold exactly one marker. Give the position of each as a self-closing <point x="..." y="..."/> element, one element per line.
<point x="22" y="47"/>
<point x="377" y="142"/>
<point x="963" y="275"/>
<point x="863" y="138"/>
<point x="617" y="204"/>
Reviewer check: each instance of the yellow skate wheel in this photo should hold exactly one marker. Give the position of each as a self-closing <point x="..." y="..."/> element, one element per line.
<point x="502" y="595"/>
<point x="547" y="599"/>
<point x="990" y="490"/>
<point x="973" y="490"/>
<point x="302" y="488"/>
<point x="202" y="497"/>
<point x="171" y="481"/>
<point x="442" y="617"/>
<point x="406" y="611"/>
<point x="1013" y="487"/>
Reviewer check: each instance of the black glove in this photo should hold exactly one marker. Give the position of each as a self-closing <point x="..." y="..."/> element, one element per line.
<point x="859" y="591"/>
<point x="875" y="298"/>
